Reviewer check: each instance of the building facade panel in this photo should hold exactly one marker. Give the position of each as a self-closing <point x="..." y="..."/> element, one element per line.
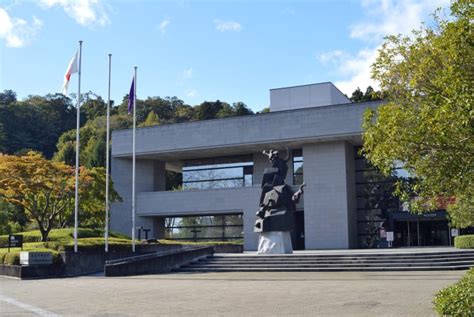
<point x="201" y="202"/>
<point x="327" y="199"/>
<point x="321" y="123"/>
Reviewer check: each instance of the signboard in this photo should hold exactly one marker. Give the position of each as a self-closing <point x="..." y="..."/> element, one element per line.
<point x="389" y="236"/>
<point x="454" y="232"/>
<point x="15" y="241"/>
<point x="36" y="258"/>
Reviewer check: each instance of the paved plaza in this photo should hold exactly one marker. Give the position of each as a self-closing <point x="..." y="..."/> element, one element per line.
<point x="228" y="294"/>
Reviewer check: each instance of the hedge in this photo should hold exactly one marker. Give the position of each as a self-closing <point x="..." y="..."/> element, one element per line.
<point x="457" y="299"/>
<point x="60" y="235"/>
<point x="13" y="257"/>
<point x="464" y="242"/>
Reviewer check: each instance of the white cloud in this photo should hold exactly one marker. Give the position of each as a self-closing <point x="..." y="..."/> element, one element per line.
<point x="191" y="93"/>
<point x="84" y="12"/>
<point x="188" y="73"/>
<point x="384" y="17"/>
<point x="224" y="26"/>
<point x="393" y="17"/>
<point x="164" y="25"/>
<point x="15" y="31"/>
<point x="332" y="57"/>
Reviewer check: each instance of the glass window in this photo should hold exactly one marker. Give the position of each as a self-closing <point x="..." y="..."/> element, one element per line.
<point x="297" y="167"/>
<point x="220" y="172"/>
<point x="200" y="228"/>
<point x="375" y="200"/>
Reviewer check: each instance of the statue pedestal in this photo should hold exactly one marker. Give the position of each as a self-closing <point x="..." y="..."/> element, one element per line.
<point x="274" y="242"/>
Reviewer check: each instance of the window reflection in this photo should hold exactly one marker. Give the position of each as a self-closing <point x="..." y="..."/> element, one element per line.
<point x="297" y="167"/>
<point x="227" y="227"/>
<point x="221" y="172"/>
<point x="375" y="200"/>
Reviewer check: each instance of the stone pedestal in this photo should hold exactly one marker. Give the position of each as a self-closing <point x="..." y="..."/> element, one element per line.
<point x="275" y="242"/>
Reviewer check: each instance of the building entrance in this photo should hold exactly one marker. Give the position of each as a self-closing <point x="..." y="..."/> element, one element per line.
<point x="421" y="233"/>
<point x="297" y="235"/>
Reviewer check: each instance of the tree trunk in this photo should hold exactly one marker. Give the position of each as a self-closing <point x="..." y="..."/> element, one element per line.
<point x="44" y="235"/>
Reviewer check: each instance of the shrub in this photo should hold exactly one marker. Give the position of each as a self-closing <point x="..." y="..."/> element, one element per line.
<point x="457" y="299"/>
<point x="12" y="258"/>
<point x="464" y="242"/>
<point x="61" y="236"/>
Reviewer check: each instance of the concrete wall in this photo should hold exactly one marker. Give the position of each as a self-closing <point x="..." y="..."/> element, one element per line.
<point x="121" y="212"/>
<point x="327" y="202"/>
<point x="302" y="125"/>
<point x="306" y="96"/>
<point x="200" y="202"/>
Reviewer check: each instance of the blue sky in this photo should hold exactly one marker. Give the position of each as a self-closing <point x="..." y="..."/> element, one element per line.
<point x="198" y="50"/>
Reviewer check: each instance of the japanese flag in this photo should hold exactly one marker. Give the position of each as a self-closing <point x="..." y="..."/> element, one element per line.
<point x="71" y="69"/>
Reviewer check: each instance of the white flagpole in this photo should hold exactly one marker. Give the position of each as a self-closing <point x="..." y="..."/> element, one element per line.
<point x="133" y="156"/>
<point x="107" y="162"/>
<point x="78" y="122"/>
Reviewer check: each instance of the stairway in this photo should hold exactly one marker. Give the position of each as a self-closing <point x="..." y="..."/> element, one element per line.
<point x="334" y="262"/>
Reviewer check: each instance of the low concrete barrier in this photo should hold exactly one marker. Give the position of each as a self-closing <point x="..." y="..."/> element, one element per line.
<point x="80" y="263"/>
<point x="160" y="262"/>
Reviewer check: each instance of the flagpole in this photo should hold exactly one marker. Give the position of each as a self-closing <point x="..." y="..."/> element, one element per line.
<point x="78" y="122"/>
<point x="107" y="162"/>
<point x="133" y="156"/>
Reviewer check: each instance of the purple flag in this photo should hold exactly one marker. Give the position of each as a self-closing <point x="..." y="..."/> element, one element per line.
<point x="131" y="97"/>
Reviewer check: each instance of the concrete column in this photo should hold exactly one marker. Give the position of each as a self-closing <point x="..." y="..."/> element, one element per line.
<point x="159" y="176"/>
<point x="328" y="203"/>
<point x="159" y="227"/>
<point x="121" y="212"/>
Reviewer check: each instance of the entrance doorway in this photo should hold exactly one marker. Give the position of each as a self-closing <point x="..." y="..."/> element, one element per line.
<point x="421" y="233"/>
<point x="297" y="235"/>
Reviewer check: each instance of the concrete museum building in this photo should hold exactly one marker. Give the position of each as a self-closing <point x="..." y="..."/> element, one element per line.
<point x="201" y="180"/>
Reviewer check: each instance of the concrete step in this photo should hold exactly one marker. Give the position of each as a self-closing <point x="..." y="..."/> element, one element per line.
<point x="332" y="260"/>
<point x="326" y="269"/>
<point x="389" y="261"/>
<point x="284" y="264"/>
<point x="346" y="256"/>
<point x="332" y="264"/>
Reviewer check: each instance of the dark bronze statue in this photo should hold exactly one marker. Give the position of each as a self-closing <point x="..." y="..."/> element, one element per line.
<point x="277" y="200"/>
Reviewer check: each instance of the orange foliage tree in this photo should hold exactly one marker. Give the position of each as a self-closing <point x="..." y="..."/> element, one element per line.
<point x="45" y="189"/>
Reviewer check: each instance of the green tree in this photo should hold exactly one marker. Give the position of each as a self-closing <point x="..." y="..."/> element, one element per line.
<point x="7" y="97"/>
<point x="225" y="111"/>
<point x="241" y="109"/>
<point x="428" y="122"/>
<point x="208" y="110"/>
<point x="369" y="95"/>
<point x="357" y="95"/>
<point x="12" y="218"/>
<point x="151" y="120"/>
<point x="94" y="106"/>
<point x="36" y="123"/>
<point x="3" y="138"/>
